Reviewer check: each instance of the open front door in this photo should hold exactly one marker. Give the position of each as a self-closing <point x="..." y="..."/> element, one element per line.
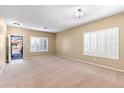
<point x="15" y="48"/>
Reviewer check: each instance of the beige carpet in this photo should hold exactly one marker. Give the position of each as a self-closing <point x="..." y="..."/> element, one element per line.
<point x="53" y="71"/>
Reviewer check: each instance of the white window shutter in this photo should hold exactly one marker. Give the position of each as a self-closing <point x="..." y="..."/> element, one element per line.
<point x="103" y="43"/>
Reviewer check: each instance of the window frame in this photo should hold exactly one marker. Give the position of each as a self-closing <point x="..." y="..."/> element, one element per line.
<point x="44" y="38"/>
<point x="116" y="57"/>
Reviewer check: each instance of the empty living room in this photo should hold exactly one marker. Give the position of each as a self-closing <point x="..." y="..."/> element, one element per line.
<point x="61" y="46"/>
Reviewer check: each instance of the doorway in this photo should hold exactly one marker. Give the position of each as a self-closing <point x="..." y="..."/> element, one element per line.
<point x="15" y="48"/>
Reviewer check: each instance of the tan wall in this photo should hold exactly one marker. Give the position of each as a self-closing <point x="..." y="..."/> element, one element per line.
<point x="3" y="33"/>
<point x="27" y="34"/>
<point x="70" y="43"/>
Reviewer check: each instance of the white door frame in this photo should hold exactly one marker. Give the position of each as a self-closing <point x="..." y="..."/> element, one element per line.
<point x="9" y="47"/>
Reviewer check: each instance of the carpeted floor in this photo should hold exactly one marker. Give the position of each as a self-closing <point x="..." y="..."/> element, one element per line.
<point x="57" y="72"/>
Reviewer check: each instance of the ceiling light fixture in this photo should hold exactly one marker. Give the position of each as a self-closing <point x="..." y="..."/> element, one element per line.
<point x="79" y="13"/>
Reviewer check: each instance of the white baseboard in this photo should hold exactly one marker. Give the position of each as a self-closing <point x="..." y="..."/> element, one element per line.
<point x="2" y="67"/>
<point x="76" y="59"/>
<point x="26" y="58"/>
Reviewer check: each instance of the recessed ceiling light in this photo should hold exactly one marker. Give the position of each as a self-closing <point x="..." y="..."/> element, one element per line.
<point x="45" y="27"/>
<point x="16" y="24"/>
<point x="56" y="21"/>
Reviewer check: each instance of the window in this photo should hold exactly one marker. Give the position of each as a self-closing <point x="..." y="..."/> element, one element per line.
<point x="103" y="43"/>
<point x="38" y="44"/>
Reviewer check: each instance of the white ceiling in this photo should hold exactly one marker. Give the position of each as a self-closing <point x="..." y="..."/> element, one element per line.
<point x="56" y="18"/>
